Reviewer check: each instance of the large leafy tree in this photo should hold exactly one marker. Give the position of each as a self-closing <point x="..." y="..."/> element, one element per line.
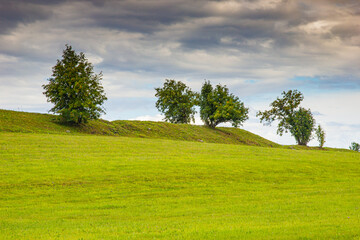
<point x="217" y="106"/>
<point x="292" y="118"/>
<point x="74" y="89"/>
<point x="176" y="101"/>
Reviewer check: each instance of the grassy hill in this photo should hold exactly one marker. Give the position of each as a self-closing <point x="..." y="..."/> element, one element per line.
<point x="63" y="186"/>
<point x="83" y="183"/>
<point x="12" y="121"/>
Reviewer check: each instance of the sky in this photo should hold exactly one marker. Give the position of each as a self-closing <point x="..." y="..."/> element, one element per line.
<point x="258" y="49"/>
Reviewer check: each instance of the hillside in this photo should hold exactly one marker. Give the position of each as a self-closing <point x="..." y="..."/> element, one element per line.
<point x="58" y="186"/>
<point x="83" y="183"/>
<point x="13" y="121"/>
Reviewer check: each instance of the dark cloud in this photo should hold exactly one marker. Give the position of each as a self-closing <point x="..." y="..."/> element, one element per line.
<point x="146" y="16"/>
<point x="13" y="12"/>
<point x="242" y="34"/>
<point x="346" y="30"/>
<point x="239" y="21"/>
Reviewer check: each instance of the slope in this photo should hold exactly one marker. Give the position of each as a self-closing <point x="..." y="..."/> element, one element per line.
<point x="13" y="121"/>
<point x="58" y="186"/>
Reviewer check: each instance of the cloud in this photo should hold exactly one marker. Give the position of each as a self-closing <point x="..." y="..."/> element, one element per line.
<point x="12" y="13"/>
<point x="156" y="118"/>
<point x="257" y="48"/>
<point x="247" y="38"/>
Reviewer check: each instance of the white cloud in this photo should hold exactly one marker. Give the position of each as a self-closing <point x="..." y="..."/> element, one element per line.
<point x="339" y="107"/>
<point x="156" y="118"/>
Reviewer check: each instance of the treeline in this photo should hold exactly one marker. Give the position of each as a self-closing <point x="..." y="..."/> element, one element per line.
<point x="217" y="105"/>
<point x="78" y="96"/>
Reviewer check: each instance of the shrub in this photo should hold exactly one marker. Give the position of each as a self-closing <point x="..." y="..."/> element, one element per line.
<point x="320" y="135"/>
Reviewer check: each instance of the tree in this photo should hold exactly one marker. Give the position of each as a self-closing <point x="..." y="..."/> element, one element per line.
<point x="355" y="147"/>
<point x="74" y="89"/>
<point x="303" y="126"/>
<point x="320" y="134"/>
<point x="176" y="101"/>
<point x="217" y="106"/>
<point x="292" y="118"/>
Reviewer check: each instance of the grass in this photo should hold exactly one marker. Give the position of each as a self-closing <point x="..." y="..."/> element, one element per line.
<point x="71" y="186"/>
<point x="12" y="121"/>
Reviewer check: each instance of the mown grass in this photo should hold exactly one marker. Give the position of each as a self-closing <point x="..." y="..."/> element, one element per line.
<point x="12" y="121"/>
<point x="99" y="187"/>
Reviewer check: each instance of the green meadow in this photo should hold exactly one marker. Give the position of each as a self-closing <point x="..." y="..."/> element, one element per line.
<point x="82" y="186"/>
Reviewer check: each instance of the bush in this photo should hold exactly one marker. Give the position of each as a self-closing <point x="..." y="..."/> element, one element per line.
<point x="320" y="135"/>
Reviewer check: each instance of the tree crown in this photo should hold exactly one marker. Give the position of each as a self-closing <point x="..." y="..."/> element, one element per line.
<point x="74" y="89"/>
<point x="176" y="101"/>
<point x="218" y="105"/>
<point x="297" y="120"/>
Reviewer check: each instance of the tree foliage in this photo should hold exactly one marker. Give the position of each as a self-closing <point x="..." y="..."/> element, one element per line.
<point x="355" y="147"/>
<point x="74" y="89"/>
<point x="320" y="135"/>
<point x="217" y="106"/>
<point x="176" y="101"/>
<point x="292" y="118"/>
<point x="302" y="126"/>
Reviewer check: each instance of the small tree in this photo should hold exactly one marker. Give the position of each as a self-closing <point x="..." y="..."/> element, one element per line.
<point x="355" y="147"/>
<point x="297" y="120"/>
<point x="176" y="101"/>
<point x="320" y="134"/>
<point x="74" y="89"/>
<point x="217" y="106"/>
<point x="303" y="126"/>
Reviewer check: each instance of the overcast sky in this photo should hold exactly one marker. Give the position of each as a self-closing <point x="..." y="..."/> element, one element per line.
<point x="256" y="48"/>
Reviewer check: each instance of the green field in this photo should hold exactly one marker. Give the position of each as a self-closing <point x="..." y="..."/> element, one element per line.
<point x="153" y="180"/>
<point x="56" y="186"/>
